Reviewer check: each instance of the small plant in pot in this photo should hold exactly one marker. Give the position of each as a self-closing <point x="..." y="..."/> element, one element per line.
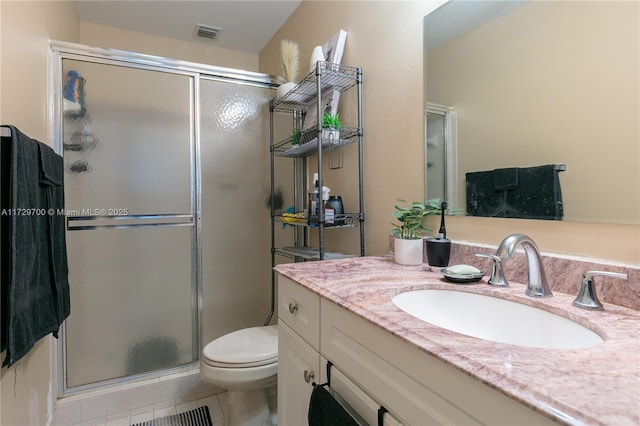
<point x="331" y="125"/>
<point x="408" y="245"/>
<point x="294" y="139"/>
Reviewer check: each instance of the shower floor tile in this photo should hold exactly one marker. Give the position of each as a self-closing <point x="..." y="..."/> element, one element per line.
<point x="139" y="415"/>
<point x="139" y="403"/>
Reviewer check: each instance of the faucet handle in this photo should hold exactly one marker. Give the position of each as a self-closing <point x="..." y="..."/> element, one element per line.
<point x="587" y="297"/>
<point x="497" y="278"/>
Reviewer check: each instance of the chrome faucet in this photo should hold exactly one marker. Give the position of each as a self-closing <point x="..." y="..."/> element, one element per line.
<point x="537" y="285"/>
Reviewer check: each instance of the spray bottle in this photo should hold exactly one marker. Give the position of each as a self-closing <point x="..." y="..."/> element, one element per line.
<point x="315" y="202"/>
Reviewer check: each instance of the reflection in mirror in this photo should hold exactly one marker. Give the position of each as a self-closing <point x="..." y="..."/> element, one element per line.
<point x="440" y="172"/>
<point x="539" y="83"/>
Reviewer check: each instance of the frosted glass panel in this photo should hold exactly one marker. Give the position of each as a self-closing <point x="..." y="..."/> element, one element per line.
<point x="128" y="150"/>
<point x="127" y="140"/>
<point x="235" y="220"/>
<point x="130" y="302"/>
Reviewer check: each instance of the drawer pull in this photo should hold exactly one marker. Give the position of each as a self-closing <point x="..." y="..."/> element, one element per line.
<point x="308" y="376"/>
<point x="293" y="308"/>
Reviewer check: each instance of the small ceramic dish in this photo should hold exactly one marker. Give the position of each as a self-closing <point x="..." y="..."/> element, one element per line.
<point x="461" y="278"/>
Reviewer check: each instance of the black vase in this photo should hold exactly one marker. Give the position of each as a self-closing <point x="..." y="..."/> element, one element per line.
<point x="438" y="251"/>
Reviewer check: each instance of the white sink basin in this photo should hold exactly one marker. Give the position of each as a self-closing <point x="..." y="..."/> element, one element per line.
<point x="495" y="319"/>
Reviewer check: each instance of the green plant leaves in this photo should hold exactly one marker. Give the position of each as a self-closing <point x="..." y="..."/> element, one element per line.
<point x="330" y="121"/>
<point x="410" y="216"/>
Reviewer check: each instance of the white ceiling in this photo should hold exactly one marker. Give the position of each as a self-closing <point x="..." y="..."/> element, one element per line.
<point x="247" y="26"/>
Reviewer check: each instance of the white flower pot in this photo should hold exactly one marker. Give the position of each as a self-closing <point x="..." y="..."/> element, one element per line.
<point x="408" y="252"/>
<point x="284" y="88"/>
<point x="331" y="135"/>
<point x="316" y="55"/>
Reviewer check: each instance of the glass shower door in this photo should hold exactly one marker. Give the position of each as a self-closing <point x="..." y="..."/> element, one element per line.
<point x="129" y="156"/>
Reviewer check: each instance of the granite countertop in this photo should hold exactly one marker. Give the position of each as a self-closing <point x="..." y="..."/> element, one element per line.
<point x="598" y="385"/>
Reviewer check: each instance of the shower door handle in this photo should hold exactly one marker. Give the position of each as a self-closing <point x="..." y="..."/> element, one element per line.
<point x="85" y="223"/>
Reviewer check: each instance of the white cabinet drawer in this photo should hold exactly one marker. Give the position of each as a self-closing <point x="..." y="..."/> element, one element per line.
<point x="359" y="400"/>
<point x="300" y="309"/>
<point x="350" y="343"/>
<point x="419" y="388"/>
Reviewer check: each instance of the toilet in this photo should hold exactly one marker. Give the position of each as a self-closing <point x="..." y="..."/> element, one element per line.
<point x="245" y="362"/>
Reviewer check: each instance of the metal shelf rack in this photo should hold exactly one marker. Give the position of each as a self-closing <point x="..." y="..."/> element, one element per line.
<point x="307" y="94"/>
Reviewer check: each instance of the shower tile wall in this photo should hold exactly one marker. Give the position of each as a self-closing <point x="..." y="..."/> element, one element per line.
<point x="142" y="401"/>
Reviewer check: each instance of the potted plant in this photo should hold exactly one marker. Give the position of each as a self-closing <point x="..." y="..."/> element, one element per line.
<point x="331" y="125"/>
<point x="294" y="139"/>
<point x="408" y="245"/>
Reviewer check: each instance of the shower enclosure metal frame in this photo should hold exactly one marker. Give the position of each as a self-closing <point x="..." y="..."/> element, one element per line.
<point x="64" y="50"/>
<point x="448" y="159"/>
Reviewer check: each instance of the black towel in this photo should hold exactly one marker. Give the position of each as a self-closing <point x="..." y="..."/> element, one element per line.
<point x="524" y="193"/>
<point x="505" y="179"/>
<point x="35" y="288"/>
<point x="324" y="410"/>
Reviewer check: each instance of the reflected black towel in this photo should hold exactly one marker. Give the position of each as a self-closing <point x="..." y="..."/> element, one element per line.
<point x="35" y="288"/>
<point x="324" y="410"/>
<point x="524" y="193"/>
<point x="505" y="179"/>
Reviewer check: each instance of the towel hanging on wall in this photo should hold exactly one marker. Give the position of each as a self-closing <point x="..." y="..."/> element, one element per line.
<point x="516" y="192"/>
<point x="35" y="289"/>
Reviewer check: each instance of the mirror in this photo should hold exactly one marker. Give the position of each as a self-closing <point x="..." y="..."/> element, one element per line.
<point x="521" y="84"/>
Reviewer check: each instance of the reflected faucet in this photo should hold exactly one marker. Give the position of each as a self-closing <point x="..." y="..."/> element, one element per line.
<point x="537" y="285"/>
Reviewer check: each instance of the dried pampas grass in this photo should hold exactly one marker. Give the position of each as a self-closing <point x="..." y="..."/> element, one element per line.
<point x="290" y="54"/>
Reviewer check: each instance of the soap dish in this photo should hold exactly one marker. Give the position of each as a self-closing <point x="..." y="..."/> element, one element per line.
<point x="461" y="278"/>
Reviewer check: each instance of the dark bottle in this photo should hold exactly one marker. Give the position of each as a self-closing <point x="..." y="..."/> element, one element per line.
<point x="335" y="202"/>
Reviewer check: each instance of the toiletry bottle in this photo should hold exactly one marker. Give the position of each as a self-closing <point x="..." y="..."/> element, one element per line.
<point x="313" y="202"/>
<point x="329" y="212"/>
<point x="334" y="204"/>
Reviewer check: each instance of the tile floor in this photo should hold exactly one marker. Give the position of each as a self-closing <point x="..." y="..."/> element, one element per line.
<point x="142" y="401"/>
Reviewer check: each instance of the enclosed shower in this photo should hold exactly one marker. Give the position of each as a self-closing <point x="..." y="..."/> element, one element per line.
<point x="440" y="153"/>
<point x="166" y="167"/>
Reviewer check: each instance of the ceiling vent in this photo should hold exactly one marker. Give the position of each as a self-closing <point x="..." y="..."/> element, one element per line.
<point x="206" y="31"/>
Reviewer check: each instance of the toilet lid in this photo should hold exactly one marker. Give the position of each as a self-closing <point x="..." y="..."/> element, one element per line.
<point x="247" y="347"/>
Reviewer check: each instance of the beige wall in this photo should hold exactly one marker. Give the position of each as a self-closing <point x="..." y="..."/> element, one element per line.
<point x="385" y="38"/>
<point x="116" y="38"/>
<point x="27" y="392"/>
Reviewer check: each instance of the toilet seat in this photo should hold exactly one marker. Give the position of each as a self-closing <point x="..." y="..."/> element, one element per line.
<point x="249" y="347"/>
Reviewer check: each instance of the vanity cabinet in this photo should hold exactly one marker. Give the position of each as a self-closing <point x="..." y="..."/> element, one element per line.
<point x="300" y="363"/>
<point x="298" y="350"/>
<point x="306" y="144"/>
<point x="297" y="362"/>
<point x="415" y="387"/>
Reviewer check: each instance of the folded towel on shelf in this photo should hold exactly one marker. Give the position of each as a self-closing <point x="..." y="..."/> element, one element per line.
<point x="35" y="288"/>
<point x="524" y="193"/>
